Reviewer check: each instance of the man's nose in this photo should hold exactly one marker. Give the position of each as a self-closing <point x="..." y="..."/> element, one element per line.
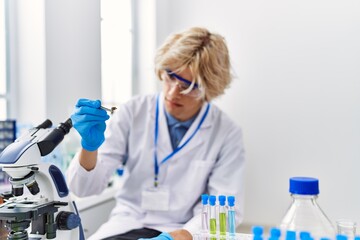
<point x="174" y="90"/>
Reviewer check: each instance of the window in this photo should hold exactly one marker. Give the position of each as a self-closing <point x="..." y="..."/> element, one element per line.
<point x="116" y="51"/>
<point x="3" y="85"/>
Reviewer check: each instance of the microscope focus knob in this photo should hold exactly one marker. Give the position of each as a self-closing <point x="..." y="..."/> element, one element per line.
<point x="67" y="220"/>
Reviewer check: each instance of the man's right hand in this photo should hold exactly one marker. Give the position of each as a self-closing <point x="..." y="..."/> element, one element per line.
<point x="89" y="120"/>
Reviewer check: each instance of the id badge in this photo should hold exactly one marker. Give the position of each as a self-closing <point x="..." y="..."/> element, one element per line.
<point x="155" y="199"/>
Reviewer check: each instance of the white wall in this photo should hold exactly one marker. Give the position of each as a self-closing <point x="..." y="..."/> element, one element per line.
<point x="144" y="46"/>
<point x="27" y="60"/>
<point x="55" y="57"/>
<point x="73" y="57"/>
<point x="296" y="96"/>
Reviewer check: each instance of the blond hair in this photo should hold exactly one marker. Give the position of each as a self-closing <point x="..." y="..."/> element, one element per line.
<point x="204" y="53"/>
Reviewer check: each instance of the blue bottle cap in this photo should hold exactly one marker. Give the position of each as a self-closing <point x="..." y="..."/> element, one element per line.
<point x="304" y="186"/>
<point x="257" y="230"/>
<point x="222" y="200"/>
<point x="231" y="201"/>
<point x="290" y="235"/>
<point x="204" y="199"/>
<point x="212" y="200"/>
<point x="275" y="233"/>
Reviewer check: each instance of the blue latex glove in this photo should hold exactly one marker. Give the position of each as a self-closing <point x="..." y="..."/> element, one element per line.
<point x="89" y="120"/>
<point x="162" y="236"/>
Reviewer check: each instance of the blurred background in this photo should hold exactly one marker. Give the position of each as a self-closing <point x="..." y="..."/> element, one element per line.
<point x="296" y="91"/>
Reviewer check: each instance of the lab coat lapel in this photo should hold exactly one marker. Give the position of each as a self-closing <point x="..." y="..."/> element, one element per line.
<point x="164" y="147"/>
<point x="198" y="138"/>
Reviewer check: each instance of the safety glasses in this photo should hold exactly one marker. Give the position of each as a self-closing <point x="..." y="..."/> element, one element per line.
<point x="185" y="86"/>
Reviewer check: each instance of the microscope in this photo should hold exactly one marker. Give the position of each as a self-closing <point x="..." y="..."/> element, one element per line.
<point x="38" y="205"/>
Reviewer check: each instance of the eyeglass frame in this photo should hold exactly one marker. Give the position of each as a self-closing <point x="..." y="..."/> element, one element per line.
<point x="194" y="91"/>
<point x="172" y="74"/>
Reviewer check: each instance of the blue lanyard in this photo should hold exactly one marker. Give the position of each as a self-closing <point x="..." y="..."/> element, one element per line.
<point x="177" y="149"/>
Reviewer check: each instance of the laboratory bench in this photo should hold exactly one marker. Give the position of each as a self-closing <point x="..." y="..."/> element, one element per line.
<point x="95" y="210"/>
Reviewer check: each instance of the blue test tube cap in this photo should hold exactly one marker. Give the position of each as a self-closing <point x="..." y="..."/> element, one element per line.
<point x="204" y="199"/>
<point x="357" y="238"/>
<point x="325" y="238"/>
<point x="231" y="201"/>
<point x="222" y="200"/>
<point x="257" y="230"/>
<point x="275" y="233"/>
<point x="290" y="235"/>
<point x="212" y="200"/>
<point x="305" y="235"/>
<point x="341" y="237"/>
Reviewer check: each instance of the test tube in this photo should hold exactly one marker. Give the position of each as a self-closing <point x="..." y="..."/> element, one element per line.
<point x="212" y="200"/>
<point x="222" y="215"/>
<point x="205" y="213"/>
<point x="231" y="215"/>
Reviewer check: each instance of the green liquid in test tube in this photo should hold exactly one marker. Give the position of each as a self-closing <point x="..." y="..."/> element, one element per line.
<point x="222" y="215"/>
<point x="212" y="200"/>
<point x="212" y="226"/>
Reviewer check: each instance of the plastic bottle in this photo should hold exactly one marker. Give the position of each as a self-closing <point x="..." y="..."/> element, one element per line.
<point x="304" y="214"/>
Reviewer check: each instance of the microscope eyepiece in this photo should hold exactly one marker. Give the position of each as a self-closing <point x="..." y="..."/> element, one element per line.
<point x="66" y="126"/>
<point x="54" y="137"/>
<point x="46" y="124"/>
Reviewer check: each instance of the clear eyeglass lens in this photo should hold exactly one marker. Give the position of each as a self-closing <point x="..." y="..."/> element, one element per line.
<point x="183" y="86"/>
<point x="172" y="81"/>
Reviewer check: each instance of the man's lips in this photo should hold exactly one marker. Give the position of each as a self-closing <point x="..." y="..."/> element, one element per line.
<point x="174" y="103"/>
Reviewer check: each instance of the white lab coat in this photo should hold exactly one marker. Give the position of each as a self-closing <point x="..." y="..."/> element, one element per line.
<point x="212" y="162"/>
